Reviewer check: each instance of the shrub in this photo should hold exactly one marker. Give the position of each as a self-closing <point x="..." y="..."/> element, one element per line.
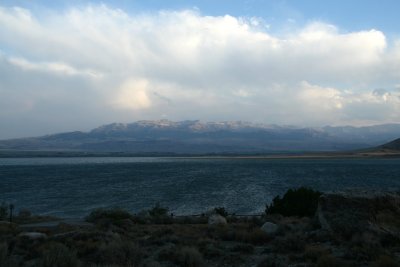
<point x="5" y="259"/>
<point x="243" y="248"/>
<point x="221" y="211"/>
<point x="122" y="253"/>
<point x="302" y="202"/>
<point x="151" y="264"/>
<point x="329" y="261"/>
<point x="158" y="211"/>
<point x="211" y="250"/>
<point x="189" y="257"/>
<point x="24" y="214"/>
<point x="314" y="252"/>
<point x="184" y="256"/>
<point x="58" y="255"/>
<point x="3" y="253"/>
<point x="290" y="242"/>
<point x="159" y="215"/>
<point x="272" y="261"/>
<point x="253" y="236"/>
<point x="364" y="251"/>
<point x="386" y="261"/>
<point x="3" y="211"/>
<point x="115" y="214"/>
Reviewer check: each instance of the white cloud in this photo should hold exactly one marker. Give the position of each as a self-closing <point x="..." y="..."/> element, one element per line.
<point x="53" y="67"/>
<point x="133" y="95"/>
<point x="184" y="65"/>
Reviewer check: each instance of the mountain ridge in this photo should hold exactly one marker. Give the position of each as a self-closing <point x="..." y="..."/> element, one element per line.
<point x="196" y="137"/>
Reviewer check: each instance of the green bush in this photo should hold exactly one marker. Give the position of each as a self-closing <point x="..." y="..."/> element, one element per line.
<point x="302" y="202"/>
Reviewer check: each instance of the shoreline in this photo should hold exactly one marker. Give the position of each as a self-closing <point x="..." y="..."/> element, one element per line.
<point x="272" y="155"/>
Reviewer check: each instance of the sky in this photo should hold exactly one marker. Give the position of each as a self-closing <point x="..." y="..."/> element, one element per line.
<point x="75" y="65"/>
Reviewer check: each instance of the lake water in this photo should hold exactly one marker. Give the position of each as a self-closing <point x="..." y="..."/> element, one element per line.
<point x="72" y="187"/>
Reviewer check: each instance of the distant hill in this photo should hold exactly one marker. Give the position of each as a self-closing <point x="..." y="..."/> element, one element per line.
<point x="196" y="137"/>
<point x="394" y="145"/>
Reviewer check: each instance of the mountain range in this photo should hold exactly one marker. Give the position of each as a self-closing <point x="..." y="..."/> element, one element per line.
<point x="196" y="137"/>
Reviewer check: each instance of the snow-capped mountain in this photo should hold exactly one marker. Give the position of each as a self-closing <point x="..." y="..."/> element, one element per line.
<point x="196" y="137"/>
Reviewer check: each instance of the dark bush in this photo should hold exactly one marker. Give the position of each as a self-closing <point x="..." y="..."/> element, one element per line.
<point x="314" y="252"/>
<point x="243" y="248"/>
<point x="386" y="261"/>
<point x="302" y="202"/>
<point x="189" y="257"/>
<point x="58" y="255"/>
<point x="221" y="211"/>
<point x="3" y="211"/>
<point x="24" y="214"/>
<point x="3" y="253"/>
<point x="5" y="259"/>
<point x="158" y="211"/>
<point x="159" y="215"/>
<point x="121" y="253"/>
<point x="111" y="214"/>
<point x="273" y="261"/>
<point x="290" y="242"/>
<point x="329" y="261"/>
<point x="182" y="256"/>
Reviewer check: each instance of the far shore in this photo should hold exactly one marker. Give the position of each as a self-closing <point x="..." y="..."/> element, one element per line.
<point x="302" y="156"/>
<point x="268" y="155"/>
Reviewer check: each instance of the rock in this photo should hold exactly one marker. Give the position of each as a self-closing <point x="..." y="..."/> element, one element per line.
<point x="269" y="228"/>
<point x="33" y="235"/>
<point x="347" y="213"/>
<point x="217" y="219"/>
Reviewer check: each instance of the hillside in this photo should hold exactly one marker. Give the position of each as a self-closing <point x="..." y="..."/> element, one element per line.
<point x="196" y="137"/>
<point x="393" y="146"/>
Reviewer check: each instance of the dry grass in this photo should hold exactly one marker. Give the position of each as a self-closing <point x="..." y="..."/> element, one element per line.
<point x="329" y="261"/>
<point x="58" y="255"/>
<point x="182" y="256"/>
<point x="314" y="252"/>
<point x="153" y="245"/>
<point x="124" y="253"/>
<point x="273" y="261"/>
<point x="239" y="233"/>
<point x="386" y="261"/>
<point x="5" y="259"/>
<point x="290" y="242"/>
<point x="3" y="253"/>
<point x="189" y="257"/>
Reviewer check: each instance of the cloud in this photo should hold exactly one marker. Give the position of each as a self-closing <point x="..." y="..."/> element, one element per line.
<point x="54" y="67"/>
<point x="133" y="95"/>
<point x="108" y="65"/>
